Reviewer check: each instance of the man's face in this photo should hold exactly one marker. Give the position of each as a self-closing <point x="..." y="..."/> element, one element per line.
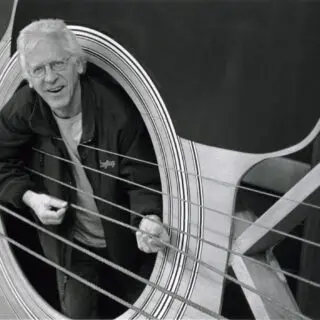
<point x="53" y="73"/>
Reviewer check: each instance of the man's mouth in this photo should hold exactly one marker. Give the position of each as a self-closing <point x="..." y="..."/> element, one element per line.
<point x="56" y="89"/>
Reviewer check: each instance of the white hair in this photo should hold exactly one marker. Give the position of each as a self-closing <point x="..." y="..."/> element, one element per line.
<point x="30" y="35"/>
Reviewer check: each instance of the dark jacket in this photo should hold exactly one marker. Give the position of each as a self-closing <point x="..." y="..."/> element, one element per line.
<point x="110" y="122"/>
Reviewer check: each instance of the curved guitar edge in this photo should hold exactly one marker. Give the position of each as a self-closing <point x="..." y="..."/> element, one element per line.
<point x="315" y="131"/>
<point x="5" y="42"/>
<point x="299" y="146"/>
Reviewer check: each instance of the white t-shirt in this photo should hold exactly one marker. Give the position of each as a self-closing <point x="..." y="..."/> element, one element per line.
<point x="88" y="228"/>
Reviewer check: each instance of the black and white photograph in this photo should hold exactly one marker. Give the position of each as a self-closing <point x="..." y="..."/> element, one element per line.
<point x="160" y="159"/>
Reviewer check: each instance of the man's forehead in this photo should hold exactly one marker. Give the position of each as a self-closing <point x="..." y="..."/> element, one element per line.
<point x="44" y="50"/>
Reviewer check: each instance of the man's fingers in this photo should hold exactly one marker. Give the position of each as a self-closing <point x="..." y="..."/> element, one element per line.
<point x="54" y="214"/>
<point x="51" y="217"/>
<point x="155" y="244"/>
<point x="147" y="243"/>
<point x="152" y="234"/>
<point x="61" y="212"/>
<point x="151" y="226"/>
<point x="57" y="203"/>
<point x="142" y="245"/>
<point x="165" y="236"/>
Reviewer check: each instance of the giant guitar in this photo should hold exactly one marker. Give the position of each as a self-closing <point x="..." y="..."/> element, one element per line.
<point x="214" y="119"/>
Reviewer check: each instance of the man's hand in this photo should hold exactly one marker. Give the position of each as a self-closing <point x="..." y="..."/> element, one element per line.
<point x="49" y="210"/>
<point x="149" y="244"/>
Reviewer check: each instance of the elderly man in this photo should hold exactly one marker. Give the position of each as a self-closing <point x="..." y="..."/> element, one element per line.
<point x="63" y="112"/>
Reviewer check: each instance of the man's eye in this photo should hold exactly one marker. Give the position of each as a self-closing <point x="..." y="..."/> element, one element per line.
<point x="57" y="65"/>
<point x="38" y="70"/>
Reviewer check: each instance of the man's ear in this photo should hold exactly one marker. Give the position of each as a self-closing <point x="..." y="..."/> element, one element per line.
<point x="79" y="66"/>
<point x="26" y="77"/>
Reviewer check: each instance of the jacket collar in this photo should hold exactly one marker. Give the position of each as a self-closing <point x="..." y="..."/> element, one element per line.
<point x="42" y="120"/>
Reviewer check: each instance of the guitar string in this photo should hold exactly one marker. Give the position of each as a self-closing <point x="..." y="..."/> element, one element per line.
<point x="304" y="203"/>
<point x="175" y="229"/>
<point x="173" y="247"/>
<point x="232" y="217"/>
<point x="111" y="264"/>
<point x="73" y="275"/>
<point x="264" y="264"/>
<point x="131" y="274"/>
<point x="172" y="228"/>
<point x="221" y="182"/>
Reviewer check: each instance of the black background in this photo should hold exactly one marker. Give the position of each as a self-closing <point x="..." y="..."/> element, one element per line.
<point x="242" y="75"/>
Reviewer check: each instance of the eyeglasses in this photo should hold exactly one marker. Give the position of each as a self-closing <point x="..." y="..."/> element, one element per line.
<point x="57" y="65"/>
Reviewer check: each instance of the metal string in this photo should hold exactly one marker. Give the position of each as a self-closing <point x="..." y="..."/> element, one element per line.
<point x="213" y="244"/>
<point x="265" y="193"/>
<point x="273" y="268"/>
<point x="73" y="275"/>
<point x="256" y="224"/>
<point x="208" y="266"/>
<point x="113" y="265"/>
<point x="127" y="272"/>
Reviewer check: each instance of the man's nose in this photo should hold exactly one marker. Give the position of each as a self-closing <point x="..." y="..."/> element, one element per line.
<point x="50" y="75"/>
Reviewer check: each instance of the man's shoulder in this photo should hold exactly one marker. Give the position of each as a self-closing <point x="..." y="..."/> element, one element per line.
<point x="22" y="101"/>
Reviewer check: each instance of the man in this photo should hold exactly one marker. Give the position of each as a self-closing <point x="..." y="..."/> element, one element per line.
<point x="62" y="112"/>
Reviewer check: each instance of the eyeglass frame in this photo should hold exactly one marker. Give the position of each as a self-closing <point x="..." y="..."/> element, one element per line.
<point x="63" y="66"/>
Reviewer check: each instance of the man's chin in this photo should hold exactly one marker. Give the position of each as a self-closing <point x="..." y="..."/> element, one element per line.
<point x="60" y="111"/>
<point x="56" y="105"/>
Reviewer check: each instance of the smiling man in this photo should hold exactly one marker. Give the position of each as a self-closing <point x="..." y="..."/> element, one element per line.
<point x="62" y="112"/>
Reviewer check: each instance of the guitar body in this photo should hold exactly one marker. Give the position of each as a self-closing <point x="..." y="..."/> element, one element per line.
<point x="219" y="88"/>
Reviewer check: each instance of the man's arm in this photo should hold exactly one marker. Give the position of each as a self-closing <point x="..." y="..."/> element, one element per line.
<point x="16" y="187"/>
<point x="14" y="136"/>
